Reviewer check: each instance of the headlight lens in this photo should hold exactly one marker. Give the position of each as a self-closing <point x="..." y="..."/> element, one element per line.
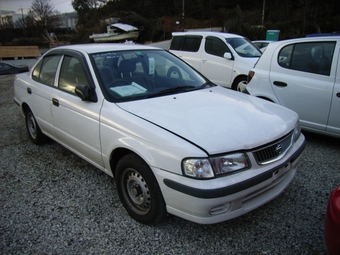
<point x="230" y="163"/>
<point x="297" y="131"/>
<point x="205" y="168"/>
<point x="198" y="168"/>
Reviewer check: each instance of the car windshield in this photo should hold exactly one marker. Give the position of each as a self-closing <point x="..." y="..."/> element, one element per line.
<point x="244" y="47"/>
<point x="138" y="74"/>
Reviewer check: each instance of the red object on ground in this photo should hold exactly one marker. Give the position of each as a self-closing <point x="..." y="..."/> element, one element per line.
<point x="332" y="223"/>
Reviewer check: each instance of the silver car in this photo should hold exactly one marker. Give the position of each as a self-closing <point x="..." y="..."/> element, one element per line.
<point x="177" y="145"/>
<point x="303" y="75"/>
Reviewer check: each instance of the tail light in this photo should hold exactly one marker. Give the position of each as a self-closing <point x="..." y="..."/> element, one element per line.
<point x="332" y="223"/>
<point x="250" y="76"/>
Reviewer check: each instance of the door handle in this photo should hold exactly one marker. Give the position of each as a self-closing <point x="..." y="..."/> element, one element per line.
<point x="338" y="94"/>
<point x="29" y="90"/>
<point x="204" y="60"/>
<point x="55" y="102"/>
<point x="280" y="84"/>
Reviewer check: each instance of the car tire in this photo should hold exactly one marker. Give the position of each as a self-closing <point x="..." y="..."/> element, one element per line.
<point x="33" y="128"/>
<point x="237" y="83"/>
<point x="139" y="191"/>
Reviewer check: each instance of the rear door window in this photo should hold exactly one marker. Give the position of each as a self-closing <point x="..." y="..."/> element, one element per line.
<point x="311" y="57"/>
<point x="45" y="71"/>
<point x="186" y="43"/>
<point x="176" y="42"/>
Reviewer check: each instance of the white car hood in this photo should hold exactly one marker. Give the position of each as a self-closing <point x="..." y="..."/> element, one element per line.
<point x="216" y="119"/>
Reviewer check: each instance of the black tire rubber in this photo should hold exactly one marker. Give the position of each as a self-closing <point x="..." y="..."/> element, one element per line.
<point x="33" y="128"/>
<point x="139" y="191"/>
<point x="237" y="81"/>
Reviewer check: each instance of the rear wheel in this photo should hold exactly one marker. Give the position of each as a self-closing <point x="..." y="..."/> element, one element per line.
<point x="237" y="85"/>
<point x="174" y="72"/>
<point x="139" y="191"/>
<point x="33" y="128"/>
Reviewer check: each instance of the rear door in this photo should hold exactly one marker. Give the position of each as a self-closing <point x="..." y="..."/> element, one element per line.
<point x="40" y="91"/>
<point x="188" y="48"/>
<point x="303" y="79"/>
<point x="334" y="115"/>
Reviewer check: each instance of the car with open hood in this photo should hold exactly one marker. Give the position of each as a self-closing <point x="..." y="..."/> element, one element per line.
<point x="174" y="144"/>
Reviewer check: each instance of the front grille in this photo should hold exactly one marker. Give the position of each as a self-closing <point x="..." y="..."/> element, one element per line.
<point x="274" y="151"/>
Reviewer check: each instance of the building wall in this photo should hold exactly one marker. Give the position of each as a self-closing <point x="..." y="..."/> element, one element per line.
<point x="68" y="20"/>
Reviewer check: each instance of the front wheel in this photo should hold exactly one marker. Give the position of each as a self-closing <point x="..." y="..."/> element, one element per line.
<point x="174" y="72"/>
<point x="33" y="128"/>
<point x="138" y="190"/>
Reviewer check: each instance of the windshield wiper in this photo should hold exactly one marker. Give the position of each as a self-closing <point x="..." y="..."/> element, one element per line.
<point x="173" y="90"/>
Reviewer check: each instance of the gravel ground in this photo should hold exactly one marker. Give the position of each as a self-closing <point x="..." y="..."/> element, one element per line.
<point x="53" y="202"/>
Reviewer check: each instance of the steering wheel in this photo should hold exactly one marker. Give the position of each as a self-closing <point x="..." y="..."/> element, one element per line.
<point x="118" y="82"/>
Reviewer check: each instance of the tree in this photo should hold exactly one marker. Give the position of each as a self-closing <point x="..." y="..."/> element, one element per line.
<point x="42" y="16"/>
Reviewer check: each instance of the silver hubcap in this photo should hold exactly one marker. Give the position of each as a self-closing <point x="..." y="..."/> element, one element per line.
<point x="31" y="124"/>
<point x="136" y="192"/>
<point x="239" y="86"/>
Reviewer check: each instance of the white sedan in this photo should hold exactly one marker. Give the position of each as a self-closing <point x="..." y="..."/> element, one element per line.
<point x="303" y="75"/>
<point x="175" y="142"/>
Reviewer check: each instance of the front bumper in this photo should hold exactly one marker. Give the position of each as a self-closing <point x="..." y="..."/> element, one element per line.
<point x="224" y="198"/>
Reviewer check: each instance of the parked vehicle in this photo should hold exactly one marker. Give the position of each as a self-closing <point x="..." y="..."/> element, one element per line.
<point x="223" y="58"/>
<point x="117" y="32"/>
<point x="175" y="144"/>
<point x="332" y="223"/>
<point x="324" y="34"/>
<point x="6" y="68"/>
<point x="262" y="44"/>
<point x="304" y="75"/>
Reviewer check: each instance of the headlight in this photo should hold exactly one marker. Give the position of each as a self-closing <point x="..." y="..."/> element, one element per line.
<point x="208" y="168"/>
<point x="198" y="168"/>
<point x="297" y="131"/>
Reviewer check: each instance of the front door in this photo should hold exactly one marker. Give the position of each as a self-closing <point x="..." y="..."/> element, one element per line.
<point x="76" y="122"/>
<point x="214" y="66"/>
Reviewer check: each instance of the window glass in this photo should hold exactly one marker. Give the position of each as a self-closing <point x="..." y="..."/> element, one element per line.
<point x="191" y="43"/>
<point x="215" y="46"/>
<point x="176" y="42"/>
<point x="36" y="72"/>
<point x="45" y="71"/>
<point x="285" y="56"/>
<point x="71" y="74"/>
<point x="4" y="66"/>
<point x="143" y="74"/>
<point x="312" y="57"/>
<point x="244" y="47"/>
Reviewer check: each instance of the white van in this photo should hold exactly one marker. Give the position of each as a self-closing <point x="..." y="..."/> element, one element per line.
<point x="223" y="58"/>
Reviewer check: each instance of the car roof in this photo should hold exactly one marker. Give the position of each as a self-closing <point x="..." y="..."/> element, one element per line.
<point x="302" y="39"/>
<point x="104" y="47"/>
<point x="207" y="33"/>
<point x="268" y="41"/>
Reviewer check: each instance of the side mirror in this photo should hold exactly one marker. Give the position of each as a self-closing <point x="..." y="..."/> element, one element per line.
<point x="228" y="55"/>
<point x="84" y="93"/>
